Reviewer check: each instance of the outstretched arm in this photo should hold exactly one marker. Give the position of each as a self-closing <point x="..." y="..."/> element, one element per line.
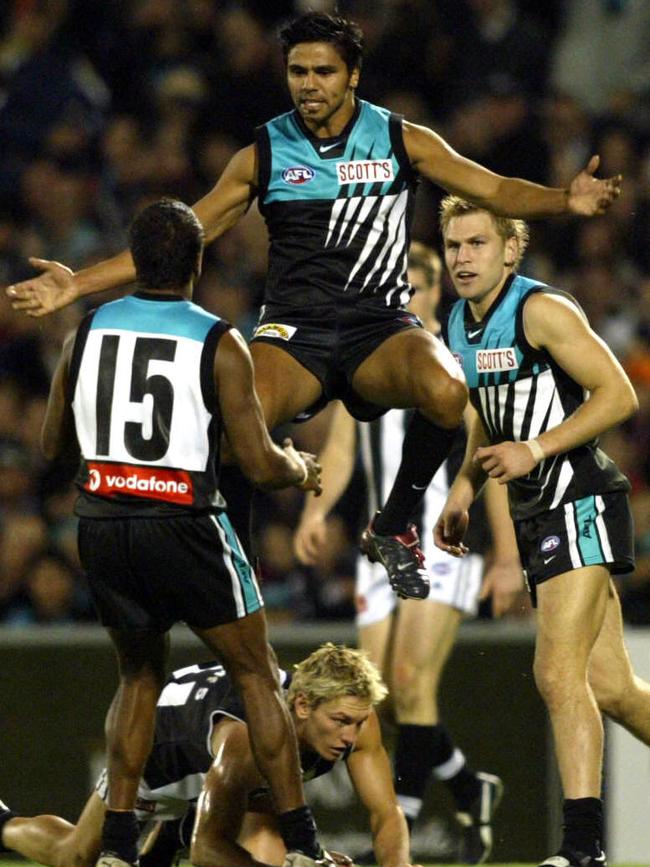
<point x="57" y="286"/>
<point x="266" y="465"/>
<point x="432" y="157"/>
<point x="337" y="463"/>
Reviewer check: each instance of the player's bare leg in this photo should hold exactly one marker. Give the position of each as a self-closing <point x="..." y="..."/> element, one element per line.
<point x="244" y="649"/>
<point x="52" y="841"/>
<point x="130" y="721"/>
<point x="571" y="612"/>
<point x="620" y="694"/>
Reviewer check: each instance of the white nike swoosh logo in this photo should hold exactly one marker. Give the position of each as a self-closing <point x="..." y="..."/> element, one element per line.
<point x="548" y="559"/>
<point x="419" y="487"/>
<point x="471" y="334"/>
<point x="324" y="148"/>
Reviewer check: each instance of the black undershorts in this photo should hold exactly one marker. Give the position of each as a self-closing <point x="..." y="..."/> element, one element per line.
<point x="332" y="345"/>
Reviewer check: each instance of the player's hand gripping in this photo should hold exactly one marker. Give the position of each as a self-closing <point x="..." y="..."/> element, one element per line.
<point x="450" y="529"/>
<point x="506" y="461"/>
<point x="588" y="195"/>
<point x="311" y="482"/>
<point x="51" y="290"/>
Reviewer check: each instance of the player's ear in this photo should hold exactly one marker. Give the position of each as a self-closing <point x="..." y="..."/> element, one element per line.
<point x="354" y="78"/>
<point x="301" y="706"/>
<point x="511" y="250"/>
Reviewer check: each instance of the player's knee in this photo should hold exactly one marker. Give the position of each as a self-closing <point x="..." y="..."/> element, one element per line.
<point x="445" y="400"/>
<point x="554" y="683"/>
<point x="406" y="688"/>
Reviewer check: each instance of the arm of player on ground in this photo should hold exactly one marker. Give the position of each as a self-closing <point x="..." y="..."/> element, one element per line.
<point x="337" y="464"/>
<point x="57" y="286"/>
<point x="370" y="772"/>
<point x="555" y="324"/>
<point x="223" y="801"/>
<point x="261" y="461"/>
<point x="432" y="157"/>
<point x="58" y="435"/>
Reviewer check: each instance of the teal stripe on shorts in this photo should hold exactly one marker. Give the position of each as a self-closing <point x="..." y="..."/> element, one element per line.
<point x="252" y="595"/>
<point x="586" y="512"/>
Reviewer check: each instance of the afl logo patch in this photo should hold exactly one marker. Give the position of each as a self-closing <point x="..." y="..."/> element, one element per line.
<point x="550" y="543"/>
<point x="297" y="175"/>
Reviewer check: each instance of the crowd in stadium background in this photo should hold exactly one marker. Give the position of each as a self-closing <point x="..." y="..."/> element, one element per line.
<point x="105" y="107"/>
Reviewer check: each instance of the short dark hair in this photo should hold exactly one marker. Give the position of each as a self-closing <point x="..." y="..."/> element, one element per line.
<point x="165" y="240"/>
<point x="345" y="35"/>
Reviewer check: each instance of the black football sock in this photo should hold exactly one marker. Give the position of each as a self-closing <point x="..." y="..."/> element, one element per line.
<point x="583" y="825"/>
<point x="166" y="846"/>
<point x="298" y="831"/>
<point x="425" y="447"/>
<point x="238" y="493"/>
<point x="120" y="834"/>
<point x="414" y="759"/>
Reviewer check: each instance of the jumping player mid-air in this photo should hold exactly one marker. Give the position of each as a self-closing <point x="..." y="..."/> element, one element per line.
<point x="335" y="179"/>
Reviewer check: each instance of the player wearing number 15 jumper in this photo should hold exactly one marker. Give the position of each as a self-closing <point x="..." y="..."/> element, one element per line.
<point x="147" y="384"/>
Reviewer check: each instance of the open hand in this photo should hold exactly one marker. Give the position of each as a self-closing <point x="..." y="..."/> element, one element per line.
<point x="589" y="196"/>
<point x="52" y="289"/>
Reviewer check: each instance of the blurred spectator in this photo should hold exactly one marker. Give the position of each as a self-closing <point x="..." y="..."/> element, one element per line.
<point x="52" y="594"/>
<point x="602" y="57"/>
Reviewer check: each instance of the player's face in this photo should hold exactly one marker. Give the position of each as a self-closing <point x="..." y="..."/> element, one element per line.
<point x="332" y="726"/>
<point x="479" y="260"/>
<point x="321" y="87"/>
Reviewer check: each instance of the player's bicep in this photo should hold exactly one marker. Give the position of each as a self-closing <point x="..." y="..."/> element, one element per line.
<point x="432" y="157"/>
<point x="231" y="196"/>
<point x="555" y="324"/>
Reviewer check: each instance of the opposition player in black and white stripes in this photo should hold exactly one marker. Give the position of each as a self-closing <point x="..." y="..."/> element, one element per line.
<point x="202" y="765"/>
<point x="145" y="389"/>
<point x="544" y="387"/>
<point x="335" y="180"/>
<point x="410" y="641"/>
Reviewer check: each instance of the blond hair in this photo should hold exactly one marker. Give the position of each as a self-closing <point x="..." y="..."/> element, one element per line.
<point x="334" y="671"/>
<point x="506" y="227"/>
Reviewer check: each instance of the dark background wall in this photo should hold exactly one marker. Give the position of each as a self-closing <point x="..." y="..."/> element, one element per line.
<point x="56" y="685"/>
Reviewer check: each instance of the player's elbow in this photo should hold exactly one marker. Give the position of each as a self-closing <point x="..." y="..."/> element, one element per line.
<point x="627" y="401"/>
<point x="50" y="446"/>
